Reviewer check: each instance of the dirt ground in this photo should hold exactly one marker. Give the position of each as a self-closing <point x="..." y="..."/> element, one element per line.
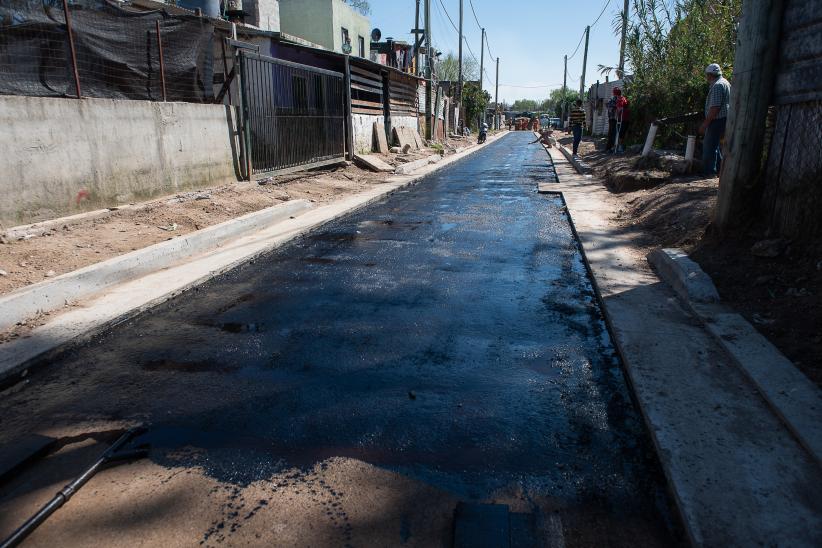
<point x="780" y="295"/>
<point x="74" y="246"/>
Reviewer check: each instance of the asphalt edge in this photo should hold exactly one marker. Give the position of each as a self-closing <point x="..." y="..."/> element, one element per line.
<point x="18" y="371"/>
<point x="672" y="491"/>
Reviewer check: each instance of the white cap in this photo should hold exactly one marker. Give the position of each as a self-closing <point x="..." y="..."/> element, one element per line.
<point x="714" y="69"/>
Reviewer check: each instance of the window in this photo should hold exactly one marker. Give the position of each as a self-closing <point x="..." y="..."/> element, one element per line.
<point x="345" y="38"/>
<point x="361" y="43"/>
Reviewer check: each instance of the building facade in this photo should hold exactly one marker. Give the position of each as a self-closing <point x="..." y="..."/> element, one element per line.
<point x="328" y="23"/>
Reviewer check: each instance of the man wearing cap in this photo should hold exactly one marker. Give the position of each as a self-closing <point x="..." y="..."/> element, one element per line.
<point x="716" y="114"/>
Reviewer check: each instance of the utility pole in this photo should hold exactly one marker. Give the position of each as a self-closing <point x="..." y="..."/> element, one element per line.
<point x="584" y="64"/>
<point x="428" y="79"/>
<point x="482" y="58"/>
<point x="755" y="74"/>
<point x="459" y="81"/>
<point x="417" y="39"/>
<point x="564" y="89"/>
<point x="621" y="68"/>
<point x="496" y="99"/>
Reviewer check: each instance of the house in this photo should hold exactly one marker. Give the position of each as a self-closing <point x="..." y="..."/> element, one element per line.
<point x="328" y="23"/>
<point x="596" y="111"/>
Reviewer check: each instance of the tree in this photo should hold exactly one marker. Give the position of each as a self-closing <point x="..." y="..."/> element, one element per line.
<point x="668" y="51"/>
<point x="557" y="100"/>
<point x="524" y="105"/>
<point x="475" y="101"/>
<point x="447" y="68"/>
<point x="361" y="6"/>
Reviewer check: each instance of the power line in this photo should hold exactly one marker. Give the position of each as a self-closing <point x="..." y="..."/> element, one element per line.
<point x="577" y="48"/>
<point x="608" y="3"/>
<point x="471" y="3"/>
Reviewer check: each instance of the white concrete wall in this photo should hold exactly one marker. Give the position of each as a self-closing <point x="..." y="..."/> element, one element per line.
<point x="408" y="121"/>
<point x="64" y="156"/>
<point x="265" y="14"/>
<point x="362" y="125"/>
<point x="357" y="25"/>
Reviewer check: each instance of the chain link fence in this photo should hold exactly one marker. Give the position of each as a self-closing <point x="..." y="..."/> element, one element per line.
<point x="95" y="48"/>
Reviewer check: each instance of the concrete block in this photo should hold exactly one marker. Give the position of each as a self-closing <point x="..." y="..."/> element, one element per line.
<point x="403" y="137"/>
<point x="683" y="275"/>
<point x="379" y="138"/>
<point x="54" y="293"/>
<point x="578" y="164"/>
<point x="373" y="163"/>
<point x="417" y="138"/>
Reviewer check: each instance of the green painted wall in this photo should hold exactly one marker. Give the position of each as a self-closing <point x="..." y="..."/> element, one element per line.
<point x="321" y="22"/>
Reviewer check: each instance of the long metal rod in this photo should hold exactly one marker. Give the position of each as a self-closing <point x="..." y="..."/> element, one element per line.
<point x="162" y="63"/>
<point x="496" y="99"/>
<point x="67" y="492"/>
<point x="72" y="49"/>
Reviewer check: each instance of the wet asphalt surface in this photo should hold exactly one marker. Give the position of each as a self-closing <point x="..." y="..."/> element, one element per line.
<point x="449" y="333"/>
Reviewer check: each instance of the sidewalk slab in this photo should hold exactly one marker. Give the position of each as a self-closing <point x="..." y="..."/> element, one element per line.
<point x="791" y="395"/>
<point x="372" y="162"/>
<point x="120" y="302"/>
<point x="737" y="475"/>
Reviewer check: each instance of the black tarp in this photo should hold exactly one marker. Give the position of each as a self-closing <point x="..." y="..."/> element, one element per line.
<point x="117" y="51"/>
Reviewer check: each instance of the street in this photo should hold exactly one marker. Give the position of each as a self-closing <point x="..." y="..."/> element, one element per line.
<point x="442" y="345"/>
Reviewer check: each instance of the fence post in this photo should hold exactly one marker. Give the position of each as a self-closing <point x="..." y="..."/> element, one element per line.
<point x="386" y="108"/>
<point x="71" y="48"/>
<point x="349" y="129"/>
<point x="757" y="49"/>
<point x="162" y="64"/>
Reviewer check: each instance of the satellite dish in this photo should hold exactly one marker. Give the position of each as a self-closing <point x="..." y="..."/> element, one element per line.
<point x="376" y="35"/>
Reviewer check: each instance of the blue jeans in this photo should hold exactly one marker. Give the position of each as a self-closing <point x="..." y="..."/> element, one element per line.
<point x="711" y="153"/>
<point x="577" y="136"/>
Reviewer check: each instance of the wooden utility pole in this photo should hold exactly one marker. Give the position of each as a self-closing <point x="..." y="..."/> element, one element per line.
<point x="482" y="59"/>
<point x="459" y="84"/>
<point x="428" y="79"/>
<point x="564" y="89"/>
<point x="621" y="68"/>
<point x="584" y="64"/>
<point x="757" y="53"/>
<point x="496" y="98"/>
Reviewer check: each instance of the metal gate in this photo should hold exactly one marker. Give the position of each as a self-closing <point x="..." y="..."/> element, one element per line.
<point x="293" y="115"/>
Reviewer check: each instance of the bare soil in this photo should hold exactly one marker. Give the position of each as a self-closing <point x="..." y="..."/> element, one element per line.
<point x="76" y="245"/>
<point x="780" y="296"/>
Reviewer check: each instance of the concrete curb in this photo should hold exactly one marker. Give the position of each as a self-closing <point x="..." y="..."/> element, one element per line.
<point x="121" y="302"/>
<point x="790" y="394"/>
<point x="52" y="294"/>
<point x="578" y="164"/>
<point x="410" y="167"/>
<point x="683" y="275"/>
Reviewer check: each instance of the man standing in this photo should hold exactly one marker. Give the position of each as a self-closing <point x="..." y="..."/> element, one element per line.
<point x="577" y="122"/>
<point x="611" y="107"/>
<point x="716" y="114"/>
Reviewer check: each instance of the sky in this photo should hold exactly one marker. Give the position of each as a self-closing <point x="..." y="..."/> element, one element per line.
<point x="529" y="36"/>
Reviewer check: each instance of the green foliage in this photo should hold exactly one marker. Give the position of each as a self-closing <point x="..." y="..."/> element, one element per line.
<point x="475" y="101"/>
<point x="447" y="68"/>
<point x="521" y="105"/>
<point x="362" y="6"/>
<point x="669" y="50"/>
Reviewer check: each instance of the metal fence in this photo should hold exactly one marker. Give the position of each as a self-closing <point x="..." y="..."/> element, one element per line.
<point x="96" y="48"/>
<point x="294" y="115"/>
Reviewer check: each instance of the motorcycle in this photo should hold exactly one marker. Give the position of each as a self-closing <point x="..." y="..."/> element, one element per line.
<point x="483" y="133"/>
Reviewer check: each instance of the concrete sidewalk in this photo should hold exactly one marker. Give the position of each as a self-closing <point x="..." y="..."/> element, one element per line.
<point x="737" y="474"/>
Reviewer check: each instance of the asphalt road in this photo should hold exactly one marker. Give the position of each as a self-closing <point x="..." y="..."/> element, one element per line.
<point x="442" y="345"/>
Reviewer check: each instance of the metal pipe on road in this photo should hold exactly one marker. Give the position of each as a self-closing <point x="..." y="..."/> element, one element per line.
<point x="69" y="490"/>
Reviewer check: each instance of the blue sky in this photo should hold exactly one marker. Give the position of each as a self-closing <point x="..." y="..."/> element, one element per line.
<point x="515" y="30"/>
